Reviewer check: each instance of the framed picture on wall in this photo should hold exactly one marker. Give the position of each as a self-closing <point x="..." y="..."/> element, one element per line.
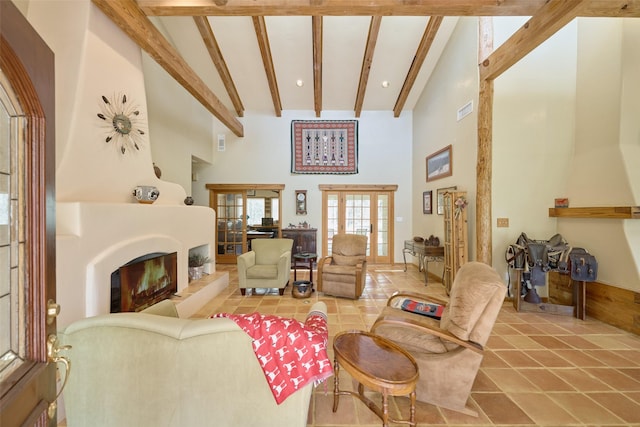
<point x="440" y="197"/>
<point x="439" y="164"/>
<point x="426" y="202"/>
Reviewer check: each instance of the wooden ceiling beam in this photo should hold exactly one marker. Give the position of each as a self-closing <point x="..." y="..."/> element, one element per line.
<point x="372" y="38"/>
<point x="611" y="9"/>
<point x="593" y="8"/>
<point x="131" y="19"/>
<point x="343" y="8"/>
<point x="423" y="49"/>
<point x="316" y="24"/>
<point x="267" y="60"/>
<point x="552" y="16"/>
<point x="206" y="32"/>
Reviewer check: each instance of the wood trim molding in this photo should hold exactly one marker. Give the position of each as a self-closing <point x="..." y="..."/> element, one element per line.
<point x="357" y="187"/>
<point x="240" y="187"/>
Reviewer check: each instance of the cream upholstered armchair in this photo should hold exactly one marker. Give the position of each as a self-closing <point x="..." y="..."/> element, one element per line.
<point x="343" y="274"/>
<point x="448" y="350"/>
<point x="266" y="265"/>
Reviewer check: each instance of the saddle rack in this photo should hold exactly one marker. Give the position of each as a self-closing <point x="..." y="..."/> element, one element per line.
<point x="533" y="259"/>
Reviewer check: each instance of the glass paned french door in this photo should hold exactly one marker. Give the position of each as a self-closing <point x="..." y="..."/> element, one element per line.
<point x="230" y="214"/>
<point x="383" y="220"/>
<point x="366" y="213"/>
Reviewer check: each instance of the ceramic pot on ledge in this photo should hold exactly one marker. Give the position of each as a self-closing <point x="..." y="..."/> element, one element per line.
<point x="146" y="194"/>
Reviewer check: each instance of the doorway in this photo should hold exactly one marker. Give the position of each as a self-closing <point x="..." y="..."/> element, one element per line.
<point x="244" y="212"/>
<point x="358" y="209"/>
<point x="27" y="224"/>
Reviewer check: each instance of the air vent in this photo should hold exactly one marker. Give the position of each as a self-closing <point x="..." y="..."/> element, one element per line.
<point x="221" y="143"/>
<point x="465" y="110"/>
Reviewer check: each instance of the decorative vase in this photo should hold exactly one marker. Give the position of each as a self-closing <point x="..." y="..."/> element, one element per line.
<point x="196" y="273"/>
<point x="146" y="194"/>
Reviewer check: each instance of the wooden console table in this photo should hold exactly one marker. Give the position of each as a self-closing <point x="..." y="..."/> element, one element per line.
<point x="425" y="255"/>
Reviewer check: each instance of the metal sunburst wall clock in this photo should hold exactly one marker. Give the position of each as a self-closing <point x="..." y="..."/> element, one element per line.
<point x="124" y="121"/>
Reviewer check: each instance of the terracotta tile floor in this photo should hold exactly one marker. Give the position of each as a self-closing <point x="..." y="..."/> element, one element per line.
<point x="539" y="369"/>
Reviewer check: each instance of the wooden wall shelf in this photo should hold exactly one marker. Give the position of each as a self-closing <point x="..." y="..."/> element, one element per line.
<point x="619" y="212"/>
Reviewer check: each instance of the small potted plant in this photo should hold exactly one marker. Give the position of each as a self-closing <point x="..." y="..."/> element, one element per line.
<point x="196" y="265"/>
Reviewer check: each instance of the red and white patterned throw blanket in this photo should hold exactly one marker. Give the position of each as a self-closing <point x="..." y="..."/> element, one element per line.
<point x="291" y="353"/>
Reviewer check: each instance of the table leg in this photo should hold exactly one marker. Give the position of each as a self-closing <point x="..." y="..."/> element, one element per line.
<point x="518" y="290"/>
<point x="404" y="256"/>
<point x="336" y="388"/>
<point x="412" y="414"/>
<point x="425" y="265"/>
<point x="580" y="299"/>
<point x="295" y="270"/>
<point x="385" y="409"/>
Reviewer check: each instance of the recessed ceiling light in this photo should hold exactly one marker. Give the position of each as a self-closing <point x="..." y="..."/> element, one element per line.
<point x="299" y="83"/>
<point x="385" y="83"/>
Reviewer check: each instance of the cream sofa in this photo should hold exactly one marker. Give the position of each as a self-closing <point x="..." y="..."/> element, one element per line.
<point x="154" y="369"/>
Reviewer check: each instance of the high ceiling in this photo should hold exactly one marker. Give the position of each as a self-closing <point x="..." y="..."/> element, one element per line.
<point x="344" y="41"/>
<point x="318" y="55"/>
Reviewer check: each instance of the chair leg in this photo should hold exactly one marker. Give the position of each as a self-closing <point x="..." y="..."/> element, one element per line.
<point x="281" y="291"/>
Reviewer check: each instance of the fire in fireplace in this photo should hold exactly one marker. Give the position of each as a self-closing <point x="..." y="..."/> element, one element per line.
<point x="144" y="281"/>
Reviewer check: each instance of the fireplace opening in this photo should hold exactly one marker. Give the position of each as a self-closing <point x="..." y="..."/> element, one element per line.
<point x="144" y="281"/>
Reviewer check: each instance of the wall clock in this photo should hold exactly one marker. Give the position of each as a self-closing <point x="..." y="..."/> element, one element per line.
<point x="124" y="122"/>
<point x="301" y="202"/>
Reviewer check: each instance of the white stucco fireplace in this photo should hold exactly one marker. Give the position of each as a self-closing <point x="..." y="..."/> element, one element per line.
<point x="94" y="239"/>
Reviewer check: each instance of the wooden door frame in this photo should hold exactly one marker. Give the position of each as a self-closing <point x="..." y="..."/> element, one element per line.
<point x="215" y="189"/>
<point x="28" y="64"/>
<point x="359" y="188"/>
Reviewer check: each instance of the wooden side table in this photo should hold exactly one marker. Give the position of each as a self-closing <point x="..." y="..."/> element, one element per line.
<point x="303" y="288"/>
<point x="305" y="259"/>
<point x="379" y="365"/>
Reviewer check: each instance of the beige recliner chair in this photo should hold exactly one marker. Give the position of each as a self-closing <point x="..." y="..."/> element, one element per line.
<point x="266" y="265"/>
<point x="343" y="274"/>
<point x="448" y="351"/>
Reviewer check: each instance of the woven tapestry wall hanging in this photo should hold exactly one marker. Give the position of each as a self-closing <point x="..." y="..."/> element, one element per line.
<point x="324" y="146"/>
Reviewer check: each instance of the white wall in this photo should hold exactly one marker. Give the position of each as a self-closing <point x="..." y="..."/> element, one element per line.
<point x="533" y="137"/>
<point x="564" y="125"/>
<point x="100" y="225"/>
<point x="606" y="159"/>
<point x="453" y="84"/>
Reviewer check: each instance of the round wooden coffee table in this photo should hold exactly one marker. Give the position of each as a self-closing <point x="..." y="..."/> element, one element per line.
<point x="379" y="365"/>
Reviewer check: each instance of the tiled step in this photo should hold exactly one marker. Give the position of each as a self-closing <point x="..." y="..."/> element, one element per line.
<point x="199" y="292"/>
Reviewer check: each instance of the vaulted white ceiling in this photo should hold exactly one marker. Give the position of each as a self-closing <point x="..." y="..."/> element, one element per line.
<point x="290" y="38"/>
<point x="238" y="55"/>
